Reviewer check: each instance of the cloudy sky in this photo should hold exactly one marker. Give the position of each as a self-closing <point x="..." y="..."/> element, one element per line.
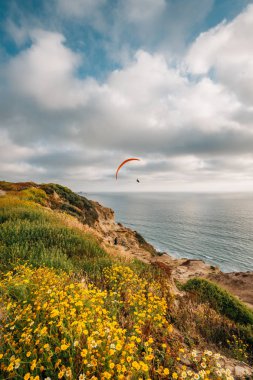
<point x="85" y="84"/>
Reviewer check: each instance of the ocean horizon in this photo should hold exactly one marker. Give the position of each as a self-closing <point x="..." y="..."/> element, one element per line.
<point x="214" y="227"/>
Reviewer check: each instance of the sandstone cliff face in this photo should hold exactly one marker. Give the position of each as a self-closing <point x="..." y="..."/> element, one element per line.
<point x="117" y="235"/>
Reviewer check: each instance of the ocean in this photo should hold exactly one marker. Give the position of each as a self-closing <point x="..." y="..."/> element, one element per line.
<point x="217" y="228"/>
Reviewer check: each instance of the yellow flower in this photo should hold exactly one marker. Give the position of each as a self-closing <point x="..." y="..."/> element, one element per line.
<point x="144" y="366"/>
<point x="149" y="357"/>
<point x="43" y="331"/>
<point x="27" y="376"/>
<point x="1" y="355"/>
<point x="10" y="367"/>
<point x="17" y="363"/>
<point x="118" y="347"/>
<point x="111" y="365"/>
<point x="33" y="364"/>
<point x="174" y="375"/>
<point x="84" y="353"/>
<point x="136" y="365"/>
<point x="166" y="371"/>
<point x="28" y="354"/>
<point x="54" y="313"/>
<point x="107" y="375"/>
<point x="64" y="347"/>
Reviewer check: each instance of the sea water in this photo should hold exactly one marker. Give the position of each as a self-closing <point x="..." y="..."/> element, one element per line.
<point x="217" y="228"/>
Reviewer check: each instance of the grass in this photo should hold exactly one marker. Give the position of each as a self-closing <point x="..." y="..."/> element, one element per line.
<point x="54" y="196"/>
<point x="220" y="300"/>
<point x="31" y="233"/>
<point x="35" y="195"/>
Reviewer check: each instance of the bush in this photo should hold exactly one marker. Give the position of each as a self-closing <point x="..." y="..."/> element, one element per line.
<point x="35" y="195"/>
<point x="220" y="300"/>
<point x="65" y="193"/>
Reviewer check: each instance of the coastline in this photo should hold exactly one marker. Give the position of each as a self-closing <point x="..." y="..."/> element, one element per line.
<point x="100" y="221"/>
<point x="132" y="245"/>
<point x="214" y="228"/>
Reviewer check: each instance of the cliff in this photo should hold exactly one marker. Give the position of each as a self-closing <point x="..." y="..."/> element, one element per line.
<point x="51" y="227"/>
<point x="100" y="220"/>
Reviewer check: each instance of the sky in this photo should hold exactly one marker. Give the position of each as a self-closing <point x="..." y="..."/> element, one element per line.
<point x="85" y="84"/>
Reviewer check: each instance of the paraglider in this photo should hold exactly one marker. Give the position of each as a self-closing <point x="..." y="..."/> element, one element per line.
<point x="137" y="180"/>
<point x="123" y="163"/>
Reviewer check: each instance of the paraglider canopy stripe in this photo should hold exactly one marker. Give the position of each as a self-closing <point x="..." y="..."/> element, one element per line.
<point x="123" y="163"/>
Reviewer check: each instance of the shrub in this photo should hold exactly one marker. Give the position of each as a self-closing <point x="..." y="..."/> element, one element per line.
<point x="34" y="194"/>
<point x="220" y="300"/>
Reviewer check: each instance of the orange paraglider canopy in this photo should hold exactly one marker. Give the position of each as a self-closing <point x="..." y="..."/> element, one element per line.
<point x="124" y="162"/>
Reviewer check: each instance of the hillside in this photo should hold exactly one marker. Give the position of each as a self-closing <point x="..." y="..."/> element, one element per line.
<point x="76" y="306"/>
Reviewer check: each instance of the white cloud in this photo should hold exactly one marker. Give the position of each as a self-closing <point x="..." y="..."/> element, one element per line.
<point x="46" y="72"/>
<point x="227" y="49"/>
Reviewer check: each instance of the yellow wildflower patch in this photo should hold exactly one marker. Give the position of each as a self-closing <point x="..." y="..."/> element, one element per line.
<point x="67" y="331"/>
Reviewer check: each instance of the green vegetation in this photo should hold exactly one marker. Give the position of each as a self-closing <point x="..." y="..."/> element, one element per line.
<point x="73" y="203"/>
<point x="35" y="195"/>
<point x="54" y="196"/>
<point x="69" y="310"/>
<point x="31" y="233"/>
<point x="220" y="300"/>
<point x="9" y="186"/>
